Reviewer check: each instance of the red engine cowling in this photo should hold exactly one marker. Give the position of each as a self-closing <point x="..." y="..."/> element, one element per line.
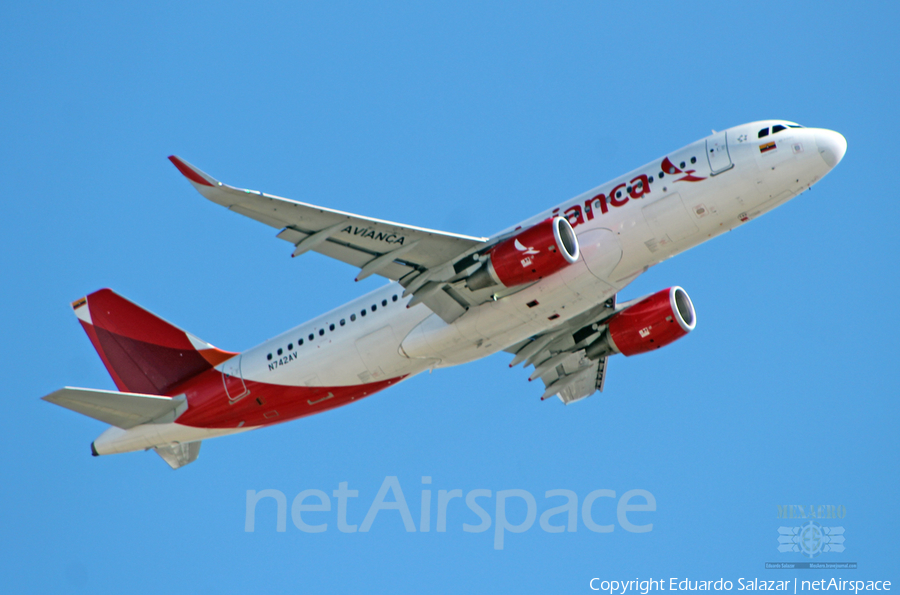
<point x="653" y="322"/>
<point x="530" y="255"/>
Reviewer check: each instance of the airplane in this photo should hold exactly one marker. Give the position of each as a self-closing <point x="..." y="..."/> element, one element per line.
<point x="543" y="290"/>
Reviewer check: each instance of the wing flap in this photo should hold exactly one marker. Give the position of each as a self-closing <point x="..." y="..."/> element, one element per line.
<point x="587" y="384"/>
<point x="123" y="410"/>
<point x="559" y="357"/>
<point x="444" y="305"/>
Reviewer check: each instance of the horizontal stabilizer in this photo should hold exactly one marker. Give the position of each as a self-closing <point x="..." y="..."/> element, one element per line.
<point x="179" y="455"/>
<point x="123" y="410"/>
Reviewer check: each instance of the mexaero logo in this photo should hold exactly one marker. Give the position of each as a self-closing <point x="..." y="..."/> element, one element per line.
<point x="811" y="538"/>
<point x="622" y="193"/>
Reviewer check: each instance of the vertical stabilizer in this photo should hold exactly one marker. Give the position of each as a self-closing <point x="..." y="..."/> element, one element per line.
<point x="142" y="352"/>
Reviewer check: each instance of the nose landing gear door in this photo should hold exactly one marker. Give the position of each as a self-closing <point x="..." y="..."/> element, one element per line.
<point x="717" y="153"/>
<point x="233" y="380"/>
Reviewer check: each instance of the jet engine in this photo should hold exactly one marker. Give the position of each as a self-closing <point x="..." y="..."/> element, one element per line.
<point x="649" y="324"/>
<point x="530" y="255"/>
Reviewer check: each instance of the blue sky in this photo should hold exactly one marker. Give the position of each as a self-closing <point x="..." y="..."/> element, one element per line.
<point x="466" y="117"/>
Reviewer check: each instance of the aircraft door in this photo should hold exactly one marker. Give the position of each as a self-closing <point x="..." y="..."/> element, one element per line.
<point x="717" y="153"/>
<point x="233" y="379"/>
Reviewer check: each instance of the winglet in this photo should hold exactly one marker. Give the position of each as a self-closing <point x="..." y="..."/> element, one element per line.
<point x="192" y="173"/>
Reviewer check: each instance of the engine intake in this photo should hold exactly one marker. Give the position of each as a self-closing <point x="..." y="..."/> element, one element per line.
<point x="651" y="323"/>
<point x="532" y="254"/>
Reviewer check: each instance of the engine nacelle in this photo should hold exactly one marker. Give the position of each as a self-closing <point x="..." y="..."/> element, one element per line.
<point x="653" y="322"/>
<point x="532" y="254"/>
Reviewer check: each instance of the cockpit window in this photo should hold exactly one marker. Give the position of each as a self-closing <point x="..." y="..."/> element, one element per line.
<point x="763" y="132"/>
<point x="794" y="126"/>
<point x="778" y="128"/>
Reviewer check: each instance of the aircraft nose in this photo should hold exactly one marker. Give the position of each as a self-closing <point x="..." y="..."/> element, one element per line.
<point x="832" y="146"/>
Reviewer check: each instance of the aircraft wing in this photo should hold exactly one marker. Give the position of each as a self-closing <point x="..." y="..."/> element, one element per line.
<point x="559" y="359"/>
<point x="377" y="247"/>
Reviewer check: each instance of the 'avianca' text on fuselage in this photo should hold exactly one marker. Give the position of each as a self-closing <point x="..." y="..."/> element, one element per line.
<point x="544" y="291"/>
<point x="620" y="194"/>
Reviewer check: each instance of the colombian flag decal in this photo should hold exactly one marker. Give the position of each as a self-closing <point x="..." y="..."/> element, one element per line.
<point x="769" y="146"/>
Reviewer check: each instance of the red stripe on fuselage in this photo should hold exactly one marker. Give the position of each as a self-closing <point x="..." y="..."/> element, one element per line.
<point x="209" y="406"/>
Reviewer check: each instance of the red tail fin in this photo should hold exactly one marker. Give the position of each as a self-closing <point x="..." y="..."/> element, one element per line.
<point x="142" y="352"/>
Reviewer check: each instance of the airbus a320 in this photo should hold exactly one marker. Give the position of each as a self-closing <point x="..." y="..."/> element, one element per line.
<point x="543" y="290"/>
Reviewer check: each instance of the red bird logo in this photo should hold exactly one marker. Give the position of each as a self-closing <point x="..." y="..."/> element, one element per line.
<point x="669" y="168"/>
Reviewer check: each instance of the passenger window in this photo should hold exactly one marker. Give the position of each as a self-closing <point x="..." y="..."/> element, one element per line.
<point x="331" y="327"/>
<point x="374" y="307"/>
<point x="394" y="299"/>
<point x="682" y="165"/>
<point x="353" y="318"/>
<point x="693" y="160"/>
<point x="384" y="302"/>
<point x="343" y="322"/>
<point x="778" y="128"/>
<point x="321" y="332"/>
<point x="299" y="342"/>
<point x="362" y="312"/>
<point x="280" y="351"/>
<point x="290" y="346"/>
<point x="763" y="132"/>
<point x="269" y="356"/>
<point x="311" y="336"/>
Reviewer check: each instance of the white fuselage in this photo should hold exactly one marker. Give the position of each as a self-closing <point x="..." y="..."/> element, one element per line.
<point x="623" y="228"/>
